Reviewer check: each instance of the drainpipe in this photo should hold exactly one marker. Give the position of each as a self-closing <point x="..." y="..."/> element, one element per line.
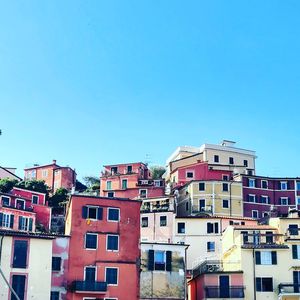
<point x="2" y="274"/>
<point x="254" y="281"/>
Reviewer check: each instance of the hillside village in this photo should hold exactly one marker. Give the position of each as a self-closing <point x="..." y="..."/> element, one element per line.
<point x="205" y="226"/>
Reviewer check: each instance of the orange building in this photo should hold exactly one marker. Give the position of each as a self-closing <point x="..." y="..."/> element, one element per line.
<point x="104" y="248"/>
<point x="54" y="175"/>
<point x="131" y="180"/>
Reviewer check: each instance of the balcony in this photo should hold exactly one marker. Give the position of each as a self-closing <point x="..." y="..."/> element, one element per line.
<point x="150" y="182"/>
<point x="89" y="286"/>
<point x="208" y="266"/>
<point x="149" y="207"/>
<point x="29" y="209"/>
<point x="263" y="240"/>
<point x="288" y="288"/>
<point x="197" y="210"/>
<point x="224" y="292"/>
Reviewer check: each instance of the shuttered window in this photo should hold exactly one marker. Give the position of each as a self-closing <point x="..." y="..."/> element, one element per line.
<point x="20" y="254"/>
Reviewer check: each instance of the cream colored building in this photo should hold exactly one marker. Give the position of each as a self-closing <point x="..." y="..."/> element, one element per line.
<point x="224" y="198"/>
<point x="26" y="263"/>
<point x="269" y="256"/>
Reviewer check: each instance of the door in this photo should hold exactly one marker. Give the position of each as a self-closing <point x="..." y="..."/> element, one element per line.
<point x="296" y="281"/>
<point x="224" y="286"/>
<point x="202" y="205"/>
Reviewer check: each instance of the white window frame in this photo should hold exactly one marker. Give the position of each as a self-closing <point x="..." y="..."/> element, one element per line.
<point x="166" y="221"/>
<point x="91" y="233"/>
<point x="225" y="177"/>
<point x="108" y="220"/>
<point x="25" y="224"/>
<point x="255" y="210"/>
<point x="44" y="173"/>
<point x="266" y="198"/>
<point x="189" y="171"/>
<point x="24" y="202"/>
<point x="267" y="259"/>
<point x="92" y="206"/>
<point x="145" y="194"/>
<point x="117" y="276"/>
<point x="254" y="198"/>
<point x="261" y="183"/>
<point x="283" y="183"/>
<point x="286" y="199"/>
<point x="37" y="199"/>
<point x="9" y="200"/>
<point x="8" y="216"/>
<point x="223" y="203"/>
<point x="95" y="267"/>
<point x="142" y="222"/>
<point x="211" y="242"/>
<point x="112" y="193"/>
<point x="110" y="250"/>
<point x="252" y="185"/>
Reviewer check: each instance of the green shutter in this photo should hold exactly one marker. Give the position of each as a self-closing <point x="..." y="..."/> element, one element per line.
<point x="257" y="258"/>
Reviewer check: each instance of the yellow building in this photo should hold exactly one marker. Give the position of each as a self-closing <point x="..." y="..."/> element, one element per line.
<point x="211" y="197"/>
<point x="269" y="256"/>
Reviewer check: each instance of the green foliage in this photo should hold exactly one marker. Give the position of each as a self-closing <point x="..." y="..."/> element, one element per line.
<point x="92" y="182"/>
<point x="6" y="184"/>
<point x="157" y="171"/>
<point x="60" y="196"/>
<point x="34" y="185"/>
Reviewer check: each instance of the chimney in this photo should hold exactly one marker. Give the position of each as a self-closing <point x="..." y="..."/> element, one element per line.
<point x="54" y="161"/>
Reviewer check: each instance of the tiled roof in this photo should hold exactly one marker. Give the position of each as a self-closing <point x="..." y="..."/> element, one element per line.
<point x="250" y="227"/>
<point x="265" y="246"/>
<point x="38" y="235"/>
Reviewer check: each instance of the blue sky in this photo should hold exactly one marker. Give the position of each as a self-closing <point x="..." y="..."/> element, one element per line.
<point x="99" y="82"/>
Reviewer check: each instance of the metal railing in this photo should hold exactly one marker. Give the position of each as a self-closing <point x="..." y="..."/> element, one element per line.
<point x="288" y="288"/>
<point x="224" y="292"/>
<point x="89" y="286"/>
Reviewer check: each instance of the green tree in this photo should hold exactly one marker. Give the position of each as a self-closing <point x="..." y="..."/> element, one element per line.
<point x="61" y="195"/>
<point x="92" y="182"/>
<point x="157" y="171"/>
<point x="34" y="185"/>
<point x="6" y="184"/>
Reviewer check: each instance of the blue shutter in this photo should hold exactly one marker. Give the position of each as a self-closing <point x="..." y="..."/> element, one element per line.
<point x="294" y="251"/>
<point x="30" y="224"/>
<point x="11" y="225"/>
<point x="257" y="258"/>
<point x="84" y="212"/>
<point x="258" y="284"/>
<point x="20" y="222"/>
<point x="99" y="213"/>
<point x="151" y="260"/>
<point x="274" y="258"/>
<point x="169" y="261"/>
<point x="1" y="219"/>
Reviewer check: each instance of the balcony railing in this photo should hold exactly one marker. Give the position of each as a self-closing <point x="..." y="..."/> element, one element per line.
<point x="150" y="182"/>
<point x="224" y="292"/>
<point x="196" y="209"/>
<point x="288" y="288"/>
<point x="29" y="209"/>
<point x="157" y="208"/>
<point x="262" y="239"/>
<point x="208" y="266"/>
<point x="89" y="286"/>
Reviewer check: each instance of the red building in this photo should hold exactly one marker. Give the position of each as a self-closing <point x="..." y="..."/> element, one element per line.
<point x="54" y="175"/>
<point x="130" y="181"/>
<point x="104" y="248"/>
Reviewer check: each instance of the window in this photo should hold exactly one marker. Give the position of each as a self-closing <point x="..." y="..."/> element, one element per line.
<point x="44" y="173"/>
<point x="225" y="203"/>
<point x="245" y="163"/>
<point x="113" y="214"/>
<point x="129" y="169"/>
<point x="201" y="186"/>
<point x="25" y="223"/>
<point x="190" y="174"/>
<point x="20" y="254"/>
<point x="296" y="251"/>
<point x="5" y="201"/>
<point x="35" y="199"/>
<point x="110" y="194"/>
<point x="245" y="236"/>
<point x="159" y="260"/>
<point x="251" y="198"/>
<point x="231" y="160"/>
<point x="251" y="182"/>
<point x="20" y="204"/>
<point x="264" y="184"/>
<point x="163" y="221"/>
<point x="180" y="227"/>
<point x="144" y="221"/>
<point x="92" y="212"/>
<point x="112" y="242"/>
<point x="124" y="184"/>
<point x="266" y="257"/>
<point x="186" y="205"/>
<point x="298" y="185"/>
<point x="90" y="274"/>
<point x="225" y="177"/>
<point x="216" y="158"/>
<point x="54" y="295"/>
<point x="264" y="284"/>
<point x="18" y="284"/>
<point x="212" y="227"/>
<point x="283" y="185"/>
<point x="6" y="220"/>
<point x="293" y="229"/>
<point x="284" y="201"/>
<point x="114" y="170"/>
<point x="143" y="193"/>
<point x="111" y="276"/>
<point x="255" y="214"/>
<point x="91" y="241"/>
<point x="269" y="237"/>
<point x="264" y="199"/>
<point x="108" y="185"/>
<point x="201" y="204"/>
<point x="210" y="246"/>
<point x="225" y="187"/>
<point x="56" y="263"/>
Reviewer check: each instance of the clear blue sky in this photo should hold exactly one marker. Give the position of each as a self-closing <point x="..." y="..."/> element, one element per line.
<point x="99" y="82"/>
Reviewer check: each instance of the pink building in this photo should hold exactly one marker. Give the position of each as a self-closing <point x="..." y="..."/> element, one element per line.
<point x="132" y="180"/>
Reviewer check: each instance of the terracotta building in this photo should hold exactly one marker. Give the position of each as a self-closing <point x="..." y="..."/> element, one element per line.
<point x="54" y="175"/>
<point x="104" y="248"/>
<point x="132" y="180"/>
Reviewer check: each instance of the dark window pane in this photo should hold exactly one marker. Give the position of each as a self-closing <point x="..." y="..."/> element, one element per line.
<point x="92" y="213"/>
<point x="18" y="284"/>
<point x="56" y="262"/>
<point x="54" y="296"/>
<point x="113" y="242"/>
<point x="113" y="214"/>
<point x="20" y="254"/>
<point x="91" y="241"/>
<point x="111" y="276"/>
<point x="181" y="227"/>
<point x="90" y="274"/>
